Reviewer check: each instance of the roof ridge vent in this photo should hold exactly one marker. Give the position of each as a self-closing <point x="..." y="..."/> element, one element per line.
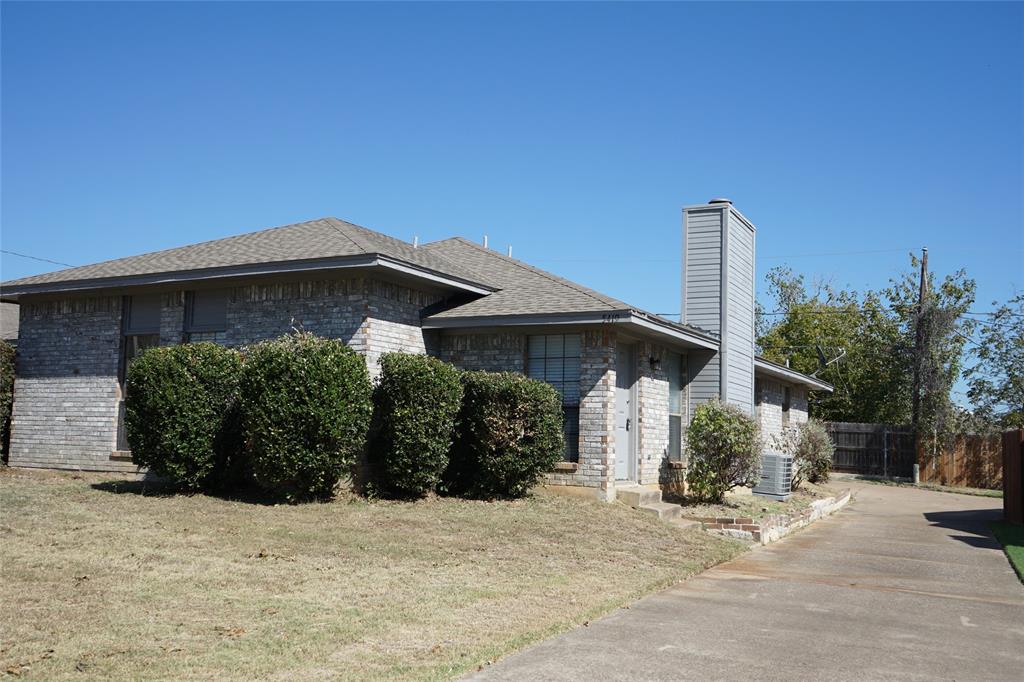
<point x="720" y="200"/>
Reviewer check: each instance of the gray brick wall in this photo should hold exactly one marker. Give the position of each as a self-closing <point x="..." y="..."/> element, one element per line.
<point x="769" y="412"/>
<point x="652" y="412"/>
<point x="66" y="388"/>
<point x="172" y="318"/>
<point x="504" y="352"/>
<point x="497" y="352"/>
<point x="597" y="415"/>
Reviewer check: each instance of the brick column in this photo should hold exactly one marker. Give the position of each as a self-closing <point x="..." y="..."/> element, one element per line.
<point x="652" y="412"/>
<point x="172" y="318"/>
<point x="597" y="413"/>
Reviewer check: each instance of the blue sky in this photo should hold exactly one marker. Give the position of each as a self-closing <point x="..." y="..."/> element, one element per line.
<point x="574" y="132"/>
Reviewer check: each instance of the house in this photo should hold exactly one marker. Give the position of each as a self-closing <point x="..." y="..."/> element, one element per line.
<point x="629" y="379"/>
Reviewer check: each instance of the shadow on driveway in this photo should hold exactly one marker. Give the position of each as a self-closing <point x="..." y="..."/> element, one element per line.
<point x="973" y="521"/>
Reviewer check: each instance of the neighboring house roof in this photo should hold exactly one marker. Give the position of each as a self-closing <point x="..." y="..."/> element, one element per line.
<point x="766" y="367"/>
<point x="9" y="321"/>
<point x="316" y="244"/>
<point x="529" y="295"/>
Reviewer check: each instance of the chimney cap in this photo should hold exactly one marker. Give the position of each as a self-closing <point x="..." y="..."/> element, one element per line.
<point x="720" y="200"/>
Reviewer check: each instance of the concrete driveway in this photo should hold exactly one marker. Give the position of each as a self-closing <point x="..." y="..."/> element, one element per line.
<point x="902" y="584"/>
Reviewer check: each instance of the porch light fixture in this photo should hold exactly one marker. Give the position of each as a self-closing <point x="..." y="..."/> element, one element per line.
<point x="655" y="362"/>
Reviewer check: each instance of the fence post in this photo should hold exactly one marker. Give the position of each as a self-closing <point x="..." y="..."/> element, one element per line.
<point x="885" y="452"/>
<point x="917" y="473"/>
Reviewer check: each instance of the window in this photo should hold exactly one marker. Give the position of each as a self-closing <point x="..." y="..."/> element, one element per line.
<point x="555" y="359"/>
<point x="675" y="367"/>
<point x="785" y="406"/>
<point x="141" y="330"/>
<point x="141" y="326"/>
<point x="206" y="311"/>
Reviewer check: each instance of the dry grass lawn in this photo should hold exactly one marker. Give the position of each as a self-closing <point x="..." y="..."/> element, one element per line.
<point x="100" y="581"/>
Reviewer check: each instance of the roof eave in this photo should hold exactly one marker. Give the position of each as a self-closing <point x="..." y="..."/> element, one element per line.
<point x="11" y="293"/>
<point x="633" y="319"/>
<point x="781" y="372"/>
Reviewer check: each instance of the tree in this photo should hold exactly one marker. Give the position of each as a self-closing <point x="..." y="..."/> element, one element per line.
<point x="996" y="381"/>
<point x="875" y="334"/>
<point x="869" y="380"/>
<point x="936" y="331"/>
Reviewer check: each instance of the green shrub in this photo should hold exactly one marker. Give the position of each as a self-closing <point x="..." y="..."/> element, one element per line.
<point x="724" y="451"/>
<point x="416" y="405"/>
<point x="509" y="435"/>
<point x="6" y="394"/>
<point x="180" y="412"/>
<point x="812" y="454"/>
<point x="306" y="405"/>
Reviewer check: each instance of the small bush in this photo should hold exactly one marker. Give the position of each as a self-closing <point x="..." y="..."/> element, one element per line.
<point x="6" y="394"/>
<point x="180" y="412"/>
<point x="416" y="405"/>
<point x="724" y="451"/>
<point x="509" y="435"/>
<point x="306" y="405"/>
<point x="812" y="454"/>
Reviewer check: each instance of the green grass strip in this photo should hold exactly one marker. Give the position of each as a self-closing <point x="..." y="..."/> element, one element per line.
<point x="1011" y="537"/>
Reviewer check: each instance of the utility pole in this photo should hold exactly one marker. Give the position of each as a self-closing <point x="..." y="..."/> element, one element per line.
<point x="919" y="343"/>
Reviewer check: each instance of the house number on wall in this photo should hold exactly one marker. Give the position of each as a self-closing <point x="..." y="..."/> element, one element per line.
<point x="608" y="318"/>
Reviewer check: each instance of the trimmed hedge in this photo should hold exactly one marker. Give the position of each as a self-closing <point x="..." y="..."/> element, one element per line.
<point x="306" y="406"/>
<point x="812" y="456"/>
<point x="510" y="434"/>
<point x="724" y="451"/>
<point x="416" y="405"/>
<point x="180" y="412"/>
<point x="6" y="394"/>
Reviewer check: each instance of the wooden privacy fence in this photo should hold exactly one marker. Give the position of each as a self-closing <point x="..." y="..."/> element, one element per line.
<point x="1013" y="476"/>
<point x="872" y="449"/>
<point x="965" y="461"/>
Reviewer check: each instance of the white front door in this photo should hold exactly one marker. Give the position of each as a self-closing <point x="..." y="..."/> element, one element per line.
<point x="623" y="413"/>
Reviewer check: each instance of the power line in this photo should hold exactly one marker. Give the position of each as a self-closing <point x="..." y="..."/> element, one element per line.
<point x="44" y="260"/>
<point x="862" y="310"/>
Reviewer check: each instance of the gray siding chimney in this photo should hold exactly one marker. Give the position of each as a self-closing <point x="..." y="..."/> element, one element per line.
<point x="718" y="296"/>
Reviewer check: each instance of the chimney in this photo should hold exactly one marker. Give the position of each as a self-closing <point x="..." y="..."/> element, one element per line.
<point x="718" y="297"/>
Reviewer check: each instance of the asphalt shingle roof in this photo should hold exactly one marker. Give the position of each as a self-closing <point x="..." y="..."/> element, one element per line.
<point x="524" y="289"/>
<point x="322" y="238"/>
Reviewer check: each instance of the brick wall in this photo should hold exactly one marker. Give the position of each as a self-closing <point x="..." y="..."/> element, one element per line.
<point x="497" y="352"/>
<point x="769" y="411"/>
<point x="371" y="316"/>
<point x="66" y="388"/>
<point x="172" y="318"/>
<point x="596" y="467"/>
<point x="501" y="352"/>
<point x="652" y="412"/>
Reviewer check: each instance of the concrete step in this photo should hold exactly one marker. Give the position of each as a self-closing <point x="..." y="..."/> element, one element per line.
<point x="665" y="511"/>
<point x="638" y="495"/>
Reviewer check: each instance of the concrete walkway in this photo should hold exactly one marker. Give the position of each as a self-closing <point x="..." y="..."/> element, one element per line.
<point x="903" y="584"/>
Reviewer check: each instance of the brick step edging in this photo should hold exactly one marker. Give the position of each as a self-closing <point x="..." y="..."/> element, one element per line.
<point x="774" y="526"/>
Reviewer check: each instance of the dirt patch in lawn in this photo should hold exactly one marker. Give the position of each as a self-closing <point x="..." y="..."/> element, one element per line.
<point x="739" y="505"/>
<point x="101" y="581"/>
